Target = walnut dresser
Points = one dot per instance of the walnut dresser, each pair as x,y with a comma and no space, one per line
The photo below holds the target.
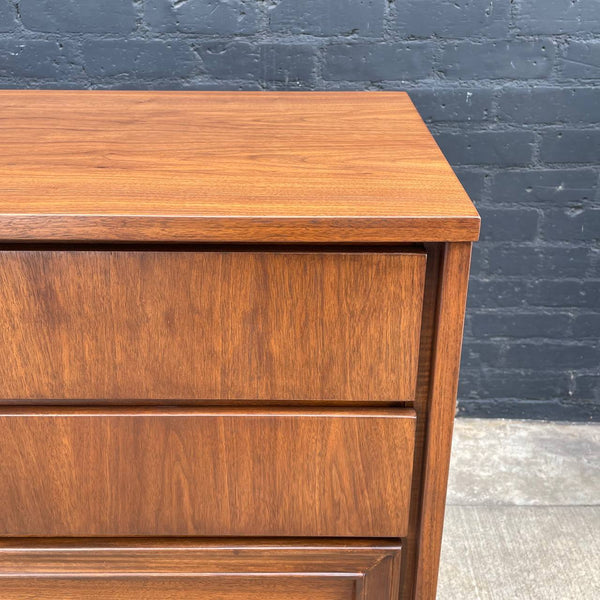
230,326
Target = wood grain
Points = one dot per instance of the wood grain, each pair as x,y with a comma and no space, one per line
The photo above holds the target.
453,282
410,543
77,472
183,587
206,570
224,166
139,326
187,325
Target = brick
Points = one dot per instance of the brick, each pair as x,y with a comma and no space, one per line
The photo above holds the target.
564,293
83,16
478,354
288,64
468,383
234,60
517,59
581,60
478,260
573,226
499,148
555,187
333,17
550,105
571,146
555,409
473,182
562,261
523,386
39,59
211,17
511,260
551,356
424,18
496,293
7,16
139,59
541,16
588,387
458,105
510,224
168,84
514,260
594,258
587,325
590,16
159,15
520,324
269,62
378,62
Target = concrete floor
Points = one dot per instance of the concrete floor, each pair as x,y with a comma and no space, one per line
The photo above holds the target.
523,514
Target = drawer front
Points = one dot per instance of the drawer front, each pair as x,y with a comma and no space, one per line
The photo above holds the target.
205,473
121,326
185,570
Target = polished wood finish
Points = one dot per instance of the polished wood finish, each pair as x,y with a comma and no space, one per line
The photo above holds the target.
452,297
203,570
421,406
141,326
224,166
226,314
184,587
205,472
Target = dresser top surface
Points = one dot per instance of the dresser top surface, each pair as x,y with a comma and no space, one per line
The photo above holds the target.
224,166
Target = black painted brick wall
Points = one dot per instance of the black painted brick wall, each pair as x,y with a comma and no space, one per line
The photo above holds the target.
511,90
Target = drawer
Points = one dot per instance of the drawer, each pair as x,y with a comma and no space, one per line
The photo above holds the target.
188,570
193,472
188,326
